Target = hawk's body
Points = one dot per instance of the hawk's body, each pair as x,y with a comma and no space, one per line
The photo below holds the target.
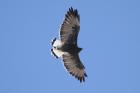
66,47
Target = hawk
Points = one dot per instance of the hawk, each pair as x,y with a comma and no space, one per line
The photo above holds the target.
66,46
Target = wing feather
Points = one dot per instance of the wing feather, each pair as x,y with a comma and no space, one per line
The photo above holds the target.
70,27
74,66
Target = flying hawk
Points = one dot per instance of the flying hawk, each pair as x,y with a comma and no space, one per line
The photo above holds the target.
66,47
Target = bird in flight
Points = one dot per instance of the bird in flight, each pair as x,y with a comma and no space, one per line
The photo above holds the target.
66,46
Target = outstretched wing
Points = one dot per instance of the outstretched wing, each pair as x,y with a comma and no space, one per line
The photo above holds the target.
70,27
74,66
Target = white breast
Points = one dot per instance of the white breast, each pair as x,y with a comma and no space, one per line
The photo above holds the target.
58,53
57,43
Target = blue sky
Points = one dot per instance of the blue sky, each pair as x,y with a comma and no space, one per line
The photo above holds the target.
109,36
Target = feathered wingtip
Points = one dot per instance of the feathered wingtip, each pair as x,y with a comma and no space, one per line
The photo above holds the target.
74,12
81,79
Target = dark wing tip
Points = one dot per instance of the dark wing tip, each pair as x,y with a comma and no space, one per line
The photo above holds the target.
85,74
81,79
73,12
